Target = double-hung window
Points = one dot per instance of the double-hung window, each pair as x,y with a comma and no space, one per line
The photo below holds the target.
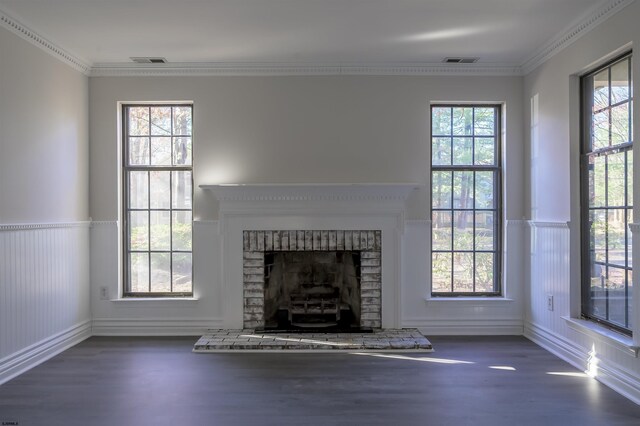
157,200
465,200
607,193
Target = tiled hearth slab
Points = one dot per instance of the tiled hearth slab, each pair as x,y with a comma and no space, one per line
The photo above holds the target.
391,340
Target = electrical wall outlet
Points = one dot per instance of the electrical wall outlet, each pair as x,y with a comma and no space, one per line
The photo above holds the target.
550,302
104,293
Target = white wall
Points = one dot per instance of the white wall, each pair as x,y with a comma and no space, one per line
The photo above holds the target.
553,150
44,229
43,143
304,129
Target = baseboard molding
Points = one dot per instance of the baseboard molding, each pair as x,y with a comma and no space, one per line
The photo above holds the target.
154,326
557,345
464,327
607,373
31,356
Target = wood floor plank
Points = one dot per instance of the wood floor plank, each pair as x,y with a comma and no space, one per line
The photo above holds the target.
159,381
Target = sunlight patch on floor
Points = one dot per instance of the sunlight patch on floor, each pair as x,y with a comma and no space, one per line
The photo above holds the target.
413,358
568,374
502,367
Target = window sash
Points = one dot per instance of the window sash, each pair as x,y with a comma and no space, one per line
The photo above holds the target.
594,298
169,250
495,209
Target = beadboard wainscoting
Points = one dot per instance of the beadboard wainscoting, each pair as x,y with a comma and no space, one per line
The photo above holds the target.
609,357
44,292
115,316
462,315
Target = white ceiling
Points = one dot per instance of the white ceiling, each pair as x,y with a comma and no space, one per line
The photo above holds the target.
301,31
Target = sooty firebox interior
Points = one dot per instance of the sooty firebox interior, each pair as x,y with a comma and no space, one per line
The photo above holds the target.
312,289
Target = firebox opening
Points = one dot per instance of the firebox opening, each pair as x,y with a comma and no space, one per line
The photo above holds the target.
312,289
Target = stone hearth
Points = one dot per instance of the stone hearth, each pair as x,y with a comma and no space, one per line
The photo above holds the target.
407,340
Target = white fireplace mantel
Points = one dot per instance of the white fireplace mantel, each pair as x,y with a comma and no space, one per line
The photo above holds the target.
313,192
318,207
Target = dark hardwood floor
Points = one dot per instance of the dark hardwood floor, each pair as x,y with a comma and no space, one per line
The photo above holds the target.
159,381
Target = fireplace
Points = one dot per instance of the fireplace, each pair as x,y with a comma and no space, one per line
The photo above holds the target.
256,219
312,279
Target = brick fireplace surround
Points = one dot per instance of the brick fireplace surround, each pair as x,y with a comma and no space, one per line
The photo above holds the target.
367,243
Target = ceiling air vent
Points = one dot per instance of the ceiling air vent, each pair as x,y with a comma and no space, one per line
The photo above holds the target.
148,60
460,60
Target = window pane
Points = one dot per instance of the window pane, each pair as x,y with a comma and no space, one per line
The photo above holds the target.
160,272
463,231
161,151
182,280
601,90
620,82
484,190
617,297
629,239
484,121
441,121
630,178
181,151
441,232
160,190
138,121
462,121
181,190
600,130
597,181
616,179
484,272
138,190
598,235
630,292
616,231
161,121
463,190
620,124
441,190
462,151
160,232
484,151
441,151
441,275
598,292
139,272
182,121
139,230
463,272
181,230
138,151
484,230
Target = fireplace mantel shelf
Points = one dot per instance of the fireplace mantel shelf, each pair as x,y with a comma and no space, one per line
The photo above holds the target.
313,191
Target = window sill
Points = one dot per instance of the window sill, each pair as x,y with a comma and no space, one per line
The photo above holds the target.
605,335
154,299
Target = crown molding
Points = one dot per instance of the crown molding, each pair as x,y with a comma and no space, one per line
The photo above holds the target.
288,69
566,38
558,43
43,43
